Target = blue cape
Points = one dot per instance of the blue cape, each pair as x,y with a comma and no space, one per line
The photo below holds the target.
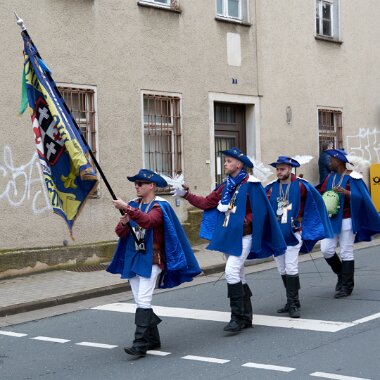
181,264
267,239
315,221
364,216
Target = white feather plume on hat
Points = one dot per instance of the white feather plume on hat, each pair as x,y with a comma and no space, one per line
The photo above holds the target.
357,164
261,171
175,182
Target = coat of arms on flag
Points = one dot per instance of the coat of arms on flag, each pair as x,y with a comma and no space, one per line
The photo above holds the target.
64,157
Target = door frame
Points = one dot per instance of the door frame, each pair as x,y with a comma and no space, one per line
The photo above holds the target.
252,124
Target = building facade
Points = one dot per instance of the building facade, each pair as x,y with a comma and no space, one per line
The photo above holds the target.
167,85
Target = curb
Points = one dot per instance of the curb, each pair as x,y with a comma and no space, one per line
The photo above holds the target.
119,288
83,295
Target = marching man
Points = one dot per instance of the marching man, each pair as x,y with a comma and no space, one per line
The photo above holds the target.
353,217
163,252
303,220
241,224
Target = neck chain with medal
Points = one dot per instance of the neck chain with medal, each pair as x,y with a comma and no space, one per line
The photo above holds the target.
140,232
231,207
333,185
282,200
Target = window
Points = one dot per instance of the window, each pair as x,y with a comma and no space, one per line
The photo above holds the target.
163,4
81,103
232,9
162,134
327,18
330,127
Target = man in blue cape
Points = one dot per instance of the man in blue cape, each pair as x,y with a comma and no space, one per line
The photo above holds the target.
163,252
303,220
241,224
353,218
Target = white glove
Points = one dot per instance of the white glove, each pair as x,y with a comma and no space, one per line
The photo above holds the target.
179,192
222,208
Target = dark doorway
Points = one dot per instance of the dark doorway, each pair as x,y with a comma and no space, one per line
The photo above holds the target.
229,125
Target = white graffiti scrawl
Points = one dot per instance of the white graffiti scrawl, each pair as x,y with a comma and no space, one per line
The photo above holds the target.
365,144
23,184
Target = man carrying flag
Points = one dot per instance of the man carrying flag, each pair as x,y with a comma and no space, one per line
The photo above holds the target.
68,174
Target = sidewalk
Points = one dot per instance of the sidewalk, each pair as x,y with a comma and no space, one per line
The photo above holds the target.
37,291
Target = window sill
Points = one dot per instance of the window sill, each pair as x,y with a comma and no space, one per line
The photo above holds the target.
233,21
328,39
167,8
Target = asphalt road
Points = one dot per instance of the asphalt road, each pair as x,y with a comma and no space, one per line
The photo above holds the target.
335,338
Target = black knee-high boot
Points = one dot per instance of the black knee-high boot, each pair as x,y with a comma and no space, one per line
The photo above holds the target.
146,324
285,308
236,296
336,266
348,269
154,340
248,313
292,288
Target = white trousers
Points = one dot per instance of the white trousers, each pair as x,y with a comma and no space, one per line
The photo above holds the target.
288,262
234,271
143,288
346,240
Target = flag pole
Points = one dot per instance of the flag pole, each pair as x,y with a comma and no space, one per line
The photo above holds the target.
139,242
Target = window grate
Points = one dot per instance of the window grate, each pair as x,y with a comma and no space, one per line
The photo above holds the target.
162,134
330,127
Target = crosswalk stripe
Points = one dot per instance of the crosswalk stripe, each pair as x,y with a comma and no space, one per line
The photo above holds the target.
221,316
11,333
158,353
269,367
98,345
205,359
48,339
335,376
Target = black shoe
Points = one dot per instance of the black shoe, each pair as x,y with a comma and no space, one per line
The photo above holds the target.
342,293
134,352
294,312
233,326
154,346
284,309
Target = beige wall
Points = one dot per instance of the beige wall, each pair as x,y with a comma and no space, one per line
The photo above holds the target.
122,49
299,71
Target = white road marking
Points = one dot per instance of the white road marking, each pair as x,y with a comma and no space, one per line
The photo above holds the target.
48,339
334,376
158,353
367,319
11,333
269,367
221,316
205,359
98,345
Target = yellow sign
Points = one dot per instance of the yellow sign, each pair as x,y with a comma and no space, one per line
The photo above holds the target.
374,174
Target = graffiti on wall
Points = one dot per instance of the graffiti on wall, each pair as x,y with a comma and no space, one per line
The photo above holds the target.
365,144
23,185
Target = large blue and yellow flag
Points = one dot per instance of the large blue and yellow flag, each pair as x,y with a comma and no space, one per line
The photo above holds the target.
64,158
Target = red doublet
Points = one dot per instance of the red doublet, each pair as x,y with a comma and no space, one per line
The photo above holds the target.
212,201
152,219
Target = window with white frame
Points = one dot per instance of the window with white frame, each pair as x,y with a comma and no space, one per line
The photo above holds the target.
232,9
327,18
166,3
162,134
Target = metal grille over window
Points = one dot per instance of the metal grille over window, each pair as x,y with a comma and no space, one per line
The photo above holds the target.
330,127
81,104
162,134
